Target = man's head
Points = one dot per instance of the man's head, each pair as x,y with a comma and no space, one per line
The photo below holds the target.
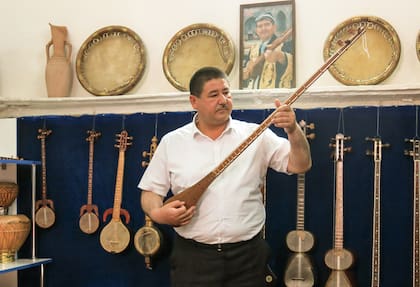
202,76
265,26
210,96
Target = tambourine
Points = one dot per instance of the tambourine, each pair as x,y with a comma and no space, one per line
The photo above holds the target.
111,61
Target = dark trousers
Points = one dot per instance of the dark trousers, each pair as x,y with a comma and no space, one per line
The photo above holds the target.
240,264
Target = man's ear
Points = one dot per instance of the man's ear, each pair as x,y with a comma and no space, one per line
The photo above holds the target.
193,101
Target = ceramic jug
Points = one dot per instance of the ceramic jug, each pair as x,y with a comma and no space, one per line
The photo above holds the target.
58,72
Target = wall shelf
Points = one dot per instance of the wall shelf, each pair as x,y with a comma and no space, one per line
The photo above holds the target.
24,263
314,97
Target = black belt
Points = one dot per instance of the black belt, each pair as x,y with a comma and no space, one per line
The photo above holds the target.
218,246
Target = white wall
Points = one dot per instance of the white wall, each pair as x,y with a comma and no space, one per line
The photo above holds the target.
25,33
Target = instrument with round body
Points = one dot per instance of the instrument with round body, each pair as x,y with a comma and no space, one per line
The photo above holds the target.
147,241
14,229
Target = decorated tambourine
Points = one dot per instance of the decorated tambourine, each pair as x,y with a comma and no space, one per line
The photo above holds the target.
371,59
194,47
111,61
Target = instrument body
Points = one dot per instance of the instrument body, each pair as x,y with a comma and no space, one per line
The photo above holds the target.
192,194
376,152
300,271
44,215
115,236
339,259
89,214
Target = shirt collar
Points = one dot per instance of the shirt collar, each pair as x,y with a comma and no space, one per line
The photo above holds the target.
196,131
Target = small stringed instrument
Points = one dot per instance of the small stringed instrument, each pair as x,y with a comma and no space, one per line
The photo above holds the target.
192,194
339,259
89,214
148,238
299,271
115,236
44,215
376,152
415,153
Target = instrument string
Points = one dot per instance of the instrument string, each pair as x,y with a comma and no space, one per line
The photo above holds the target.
156,124
93,122
377,122
123,122
417,121
341,122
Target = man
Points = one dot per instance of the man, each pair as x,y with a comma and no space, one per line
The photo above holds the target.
218,242
268,67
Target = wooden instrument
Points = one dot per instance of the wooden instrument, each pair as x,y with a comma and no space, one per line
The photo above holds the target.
376,152
44,215
255,67
299,271
89,214
115,236
192,194
14,229
148,238
339,259
415,153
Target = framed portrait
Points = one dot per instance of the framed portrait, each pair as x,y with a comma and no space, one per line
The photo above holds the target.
267,45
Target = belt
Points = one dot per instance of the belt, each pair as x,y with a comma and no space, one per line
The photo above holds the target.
218,246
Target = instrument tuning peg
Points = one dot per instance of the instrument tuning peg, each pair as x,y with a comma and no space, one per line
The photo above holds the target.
347,138
348,149
310,136
369,152
311,126
385,145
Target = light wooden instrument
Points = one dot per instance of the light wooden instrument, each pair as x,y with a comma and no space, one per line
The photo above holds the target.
148,239
376,152
339,259
89,214
299,270
415,153
115,236
192,194
44,215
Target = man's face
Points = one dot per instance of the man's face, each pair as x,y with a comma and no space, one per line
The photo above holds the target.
265,29
214,105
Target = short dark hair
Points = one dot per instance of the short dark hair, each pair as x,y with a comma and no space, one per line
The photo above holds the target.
202,76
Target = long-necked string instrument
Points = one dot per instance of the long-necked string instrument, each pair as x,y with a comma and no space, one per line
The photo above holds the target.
299,270
376,152
115,236
148,239
89,214
339,259
44,215
415,153
192,194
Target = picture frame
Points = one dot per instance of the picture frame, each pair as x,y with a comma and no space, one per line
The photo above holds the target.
270,64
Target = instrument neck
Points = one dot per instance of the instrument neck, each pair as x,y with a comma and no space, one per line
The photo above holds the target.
339,232
300,216
118,187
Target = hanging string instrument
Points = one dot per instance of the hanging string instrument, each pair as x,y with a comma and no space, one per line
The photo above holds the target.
339,259
415,153
115,236
148,239
376,152
299,271
44,215
192,194
89,215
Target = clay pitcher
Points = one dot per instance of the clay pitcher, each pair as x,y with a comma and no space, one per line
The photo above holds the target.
58,73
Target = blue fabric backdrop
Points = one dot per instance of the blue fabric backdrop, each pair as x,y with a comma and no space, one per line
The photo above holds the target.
79,260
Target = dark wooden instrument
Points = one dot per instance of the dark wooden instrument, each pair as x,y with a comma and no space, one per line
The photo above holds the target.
376,152
148,239
115,236
89,214
339,259
415,153
44,215
299,270
192,194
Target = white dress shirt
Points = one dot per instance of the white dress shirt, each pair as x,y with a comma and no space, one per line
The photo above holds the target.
231,209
